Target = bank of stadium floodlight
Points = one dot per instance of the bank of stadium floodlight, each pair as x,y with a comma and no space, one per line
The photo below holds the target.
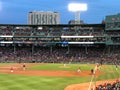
77,8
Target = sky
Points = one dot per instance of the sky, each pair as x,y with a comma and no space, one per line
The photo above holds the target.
16,11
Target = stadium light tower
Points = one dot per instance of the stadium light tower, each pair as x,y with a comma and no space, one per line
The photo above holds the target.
77,8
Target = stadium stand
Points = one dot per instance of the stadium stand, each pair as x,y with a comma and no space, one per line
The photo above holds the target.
58,43
109,86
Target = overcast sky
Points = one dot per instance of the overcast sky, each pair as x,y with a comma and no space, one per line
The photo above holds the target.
16,11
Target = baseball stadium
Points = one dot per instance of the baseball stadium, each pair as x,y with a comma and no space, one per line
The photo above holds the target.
60,57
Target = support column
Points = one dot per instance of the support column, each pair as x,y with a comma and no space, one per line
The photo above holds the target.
32,52
14,49
86,49
51,49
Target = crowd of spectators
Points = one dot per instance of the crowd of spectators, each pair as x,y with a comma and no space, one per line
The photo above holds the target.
60,31
115,40
109,86
5,30
57,54
52,31
113,33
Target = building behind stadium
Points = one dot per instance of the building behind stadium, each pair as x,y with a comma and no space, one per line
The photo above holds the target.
43,18
113,22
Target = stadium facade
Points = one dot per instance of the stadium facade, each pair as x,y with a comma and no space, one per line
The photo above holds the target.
59,43
43,18
113,22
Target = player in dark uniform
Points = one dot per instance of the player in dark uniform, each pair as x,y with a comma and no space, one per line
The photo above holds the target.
92,71
24,66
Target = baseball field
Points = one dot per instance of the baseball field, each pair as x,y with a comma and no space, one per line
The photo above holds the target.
43,76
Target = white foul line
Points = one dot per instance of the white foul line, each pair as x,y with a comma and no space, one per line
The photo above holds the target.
92,77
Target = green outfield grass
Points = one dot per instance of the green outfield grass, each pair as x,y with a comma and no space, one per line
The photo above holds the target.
21,82
69,67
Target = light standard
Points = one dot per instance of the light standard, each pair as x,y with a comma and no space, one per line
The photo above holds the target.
77,8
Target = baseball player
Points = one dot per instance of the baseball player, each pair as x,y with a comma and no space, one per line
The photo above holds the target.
78,70
24,66
11,69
